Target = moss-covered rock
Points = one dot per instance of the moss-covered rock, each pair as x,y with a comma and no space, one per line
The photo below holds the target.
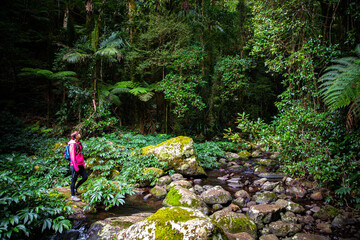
244,154
233,222
164,180
175,223
158,192
265,197
179,153
157,171
181,183
179,196
327,212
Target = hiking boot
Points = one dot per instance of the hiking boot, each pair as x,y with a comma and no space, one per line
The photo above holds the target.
75,199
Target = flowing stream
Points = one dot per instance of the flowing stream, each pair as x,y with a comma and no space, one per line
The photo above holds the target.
243,170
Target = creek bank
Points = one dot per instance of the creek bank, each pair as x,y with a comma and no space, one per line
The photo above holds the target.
244,202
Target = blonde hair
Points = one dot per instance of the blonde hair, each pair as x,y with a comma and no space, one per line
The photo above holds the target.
74,134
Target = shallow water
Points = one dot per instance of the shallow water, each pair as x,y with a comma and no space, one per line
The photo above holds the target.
137,203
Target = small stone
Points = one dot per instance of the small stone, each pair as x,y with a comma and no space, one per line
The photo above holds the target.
327,213
324,227
177,177
279,189
198,189
269,237
239,236
297,191
288,217
265,197
247,183
147,196
242,194
239,201
207,187
181,183
282,229
316,196
197,181
251,203
315,209
217,207
222,178
260,182
268,186
308,236
164,180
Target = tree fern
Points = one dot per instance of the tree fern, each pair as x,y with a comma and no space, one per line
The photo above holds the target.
341,85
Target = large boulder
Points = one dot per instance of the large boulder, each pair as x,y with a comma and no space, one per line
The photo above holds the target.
177,222
179,153
179,196
109,228
234,222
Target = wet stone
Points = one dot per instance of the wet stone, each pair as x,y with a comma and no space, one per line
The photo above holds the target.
271,176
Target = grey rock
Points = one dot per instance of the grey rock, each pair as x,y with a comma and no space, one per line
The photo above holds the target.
308,236
239,201
177,177
181,183
268,186
243,194
297,191
288,217
264,213
282,229
265,197
269,237
193,224
278,176
164,180
216,195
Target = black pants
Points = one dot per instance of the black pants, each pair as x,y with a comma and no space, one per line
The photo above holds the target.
74,177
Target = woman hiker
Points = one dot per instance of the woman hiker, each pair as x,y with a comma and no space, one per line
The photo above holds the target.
77,165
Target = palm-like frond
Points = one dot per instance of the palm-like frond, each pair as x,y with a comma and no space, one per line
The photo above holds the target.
341,85
44,73
75,56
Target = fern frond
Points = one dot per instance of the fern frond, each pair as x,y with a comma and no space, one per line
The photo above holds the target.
114,40
145,96
115,99
64,74
110,52
120,90
74,57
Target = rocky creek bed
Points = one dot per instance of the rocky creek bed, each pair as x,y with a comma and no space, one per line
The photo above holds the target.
243,199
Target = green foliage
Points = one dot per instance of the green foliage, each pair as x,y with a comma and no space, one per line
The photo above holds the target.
183,84
341,85
105,192
248,130
232,74
27,204
208,153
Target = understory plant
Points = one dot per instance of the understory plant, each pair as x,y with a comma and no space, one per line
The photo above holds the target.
28,206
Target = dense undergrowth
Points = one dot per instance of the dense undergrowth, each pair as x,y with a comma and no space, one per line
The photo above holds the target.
33,165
